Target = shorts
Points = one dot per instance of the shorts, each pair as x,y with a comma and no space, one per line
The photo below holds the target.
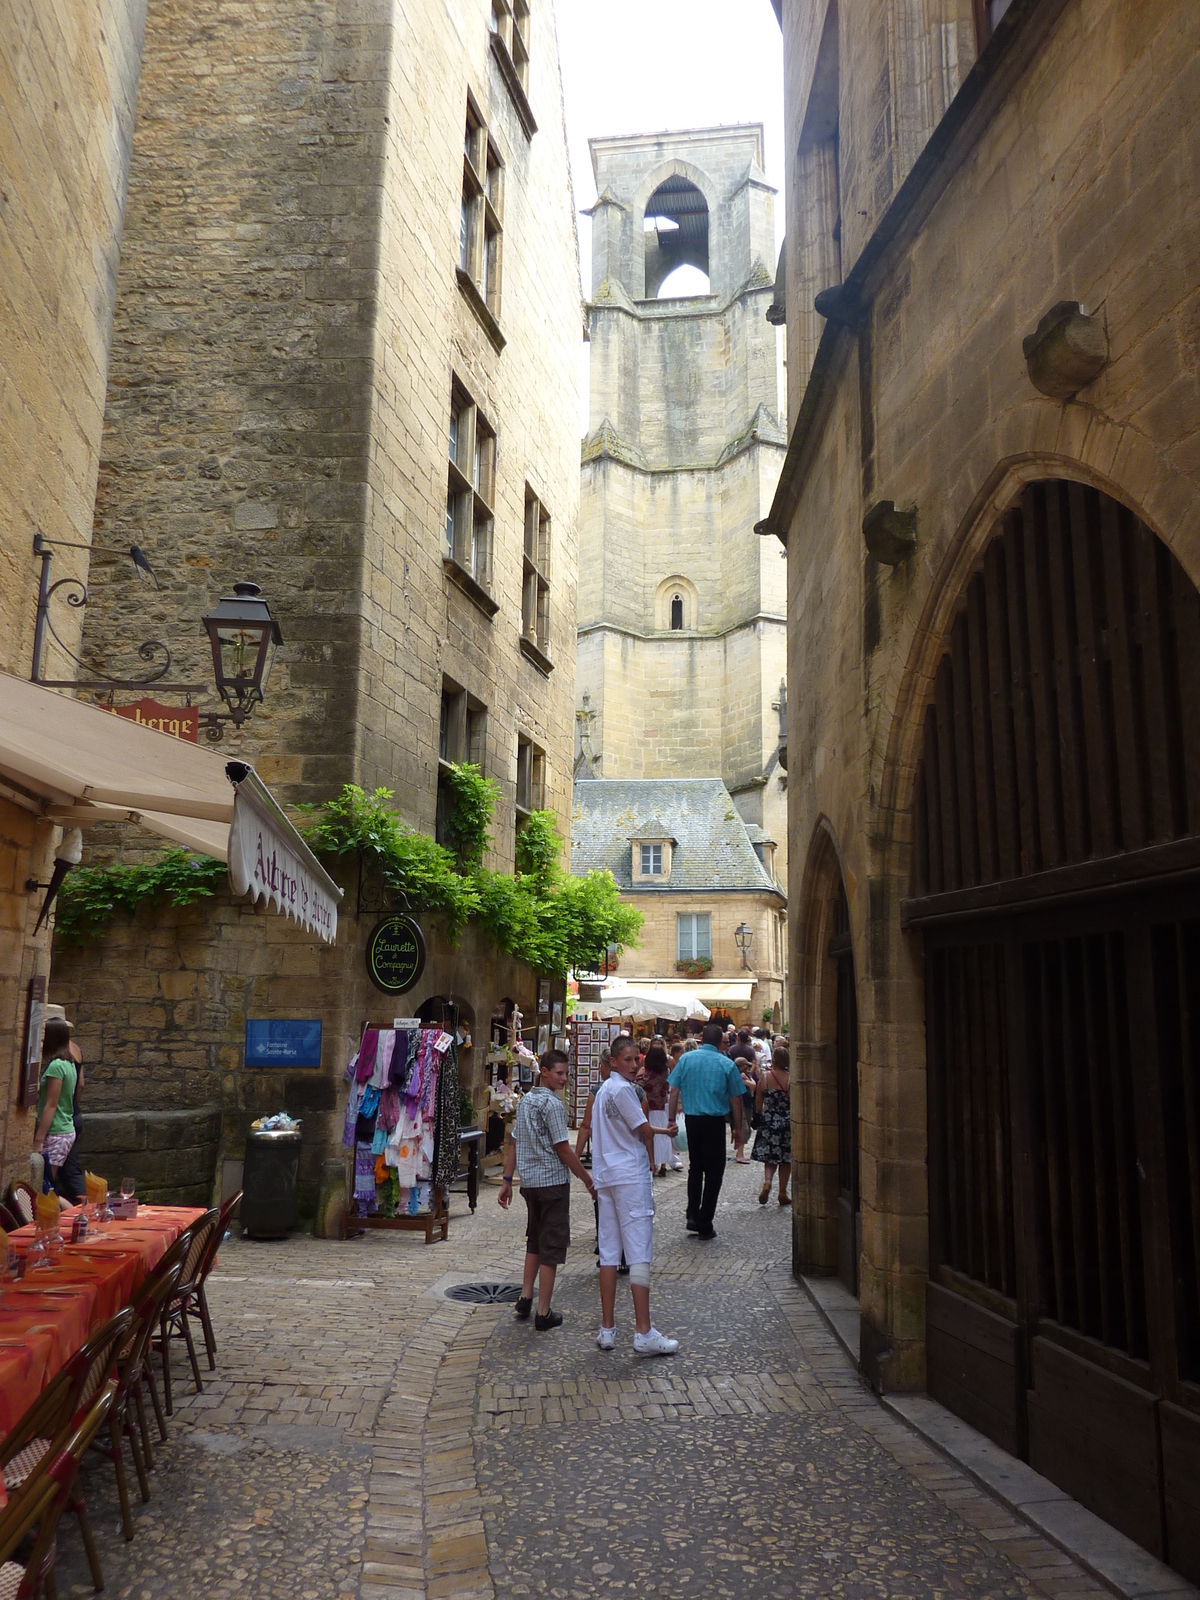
56,1147
625,1221
549,1231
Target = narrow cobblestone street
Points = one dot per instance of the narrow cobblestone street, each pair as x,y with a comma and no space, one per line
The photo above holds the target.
364,1436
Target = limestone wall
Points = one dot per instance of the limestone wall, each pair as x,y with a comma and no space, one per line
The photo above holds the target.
287,326
1079,183
68,85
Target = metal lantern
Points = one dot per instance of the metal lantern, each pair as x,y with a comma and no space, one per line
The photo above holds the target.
743,937
243,635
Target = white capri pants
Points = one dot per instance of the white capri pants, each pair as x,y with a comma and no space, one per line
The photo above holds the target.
625,1221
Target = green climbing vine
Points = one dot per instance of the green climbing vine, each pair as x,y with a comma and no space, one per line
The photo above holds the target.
540,915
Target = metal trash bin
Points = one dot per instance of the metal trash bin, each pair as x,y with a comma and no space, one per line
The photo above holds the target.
270,1204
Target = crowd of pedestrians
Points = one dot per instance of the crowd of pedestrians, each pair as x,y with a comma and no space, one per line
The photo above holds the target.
654,1096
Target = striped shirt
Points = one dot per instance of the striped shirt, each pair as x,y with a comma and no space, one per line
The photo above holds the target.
541,1124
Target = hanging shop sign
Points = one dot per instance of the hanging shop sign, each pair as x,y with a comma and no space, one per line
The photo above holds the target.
269,861
395,954
179,722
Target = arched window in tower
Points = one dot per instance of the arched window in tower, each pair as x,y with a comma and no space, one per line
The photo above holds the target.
676,225
676,612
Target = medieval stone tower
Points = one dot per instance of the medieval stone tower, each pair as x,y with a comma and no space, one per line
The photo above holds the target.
682,621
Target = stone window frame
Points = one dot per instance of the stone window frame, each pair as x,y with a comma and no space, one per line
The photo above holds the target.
462,737
479,269
509,25
531,779
651,878
676,587
693,919
469,534
535,583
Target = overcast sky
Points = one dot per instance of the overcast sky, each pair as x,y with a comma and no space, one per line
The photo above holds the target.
641,66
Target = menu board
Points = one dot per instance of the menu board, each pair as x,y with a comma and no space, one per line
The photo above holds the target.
587,1040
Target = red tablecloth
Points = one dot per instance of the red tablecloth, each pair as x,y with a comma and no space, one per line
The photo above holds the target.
47,1315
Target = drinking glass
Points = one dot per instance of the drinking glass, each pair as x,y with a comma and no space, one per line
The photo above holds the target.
128,1185
35,1256
104,1213
54,1247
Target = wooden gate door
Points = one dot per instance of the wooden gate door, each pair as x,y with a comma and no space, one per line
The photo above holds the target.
846,1047
1057,884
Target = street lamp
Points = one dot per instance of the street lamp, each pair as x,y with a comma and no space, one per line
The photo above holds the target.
743,937
243,635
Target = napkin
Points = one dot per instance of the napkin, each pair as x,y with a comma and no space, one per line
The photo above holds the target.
47,1211
97,1188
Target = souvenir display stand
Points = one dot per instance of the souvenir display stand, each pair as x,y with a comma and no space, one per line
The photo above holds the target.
587,1041
402,1122
508,1047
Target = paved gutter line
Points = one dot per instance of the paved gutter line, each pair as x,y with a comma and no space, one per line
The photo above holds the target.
1117,1562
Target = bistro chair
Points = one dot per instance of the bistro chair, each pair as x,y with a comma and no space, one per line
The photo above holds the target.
175,1323
22,1200
199,1298
9,1220
40,1503
127,1420
59,1407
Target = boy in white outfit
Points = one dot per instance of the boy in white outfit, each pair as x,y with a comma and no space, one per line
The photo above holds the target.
623,1172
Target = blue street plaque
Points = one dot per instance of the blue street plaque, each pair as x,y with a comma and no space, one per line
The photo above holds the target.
283,1042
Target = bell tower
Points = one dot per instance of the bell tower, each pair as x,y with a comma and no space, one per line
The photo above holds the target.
682,612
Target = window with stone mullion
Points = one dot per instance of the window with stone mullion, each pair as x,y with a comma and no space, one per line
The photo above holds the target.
470,489
535,584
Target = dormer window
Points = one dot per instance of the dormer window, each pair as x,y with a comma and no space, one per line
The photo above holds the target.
650,855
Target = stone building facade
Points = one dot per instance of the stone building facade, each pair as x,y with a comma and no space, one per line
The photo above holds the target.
682,647
991,508
344,367
682,855
70,79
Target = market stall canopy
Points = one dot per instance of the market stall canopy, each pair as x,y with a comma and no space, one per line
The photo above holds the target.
641,1006
76,764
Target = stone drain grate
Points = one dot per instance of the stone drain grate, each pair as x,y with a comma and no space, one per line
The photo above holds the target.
484,1294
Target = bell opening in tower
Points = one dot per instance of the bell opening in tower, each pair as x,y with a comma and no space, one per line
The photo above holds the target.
676,229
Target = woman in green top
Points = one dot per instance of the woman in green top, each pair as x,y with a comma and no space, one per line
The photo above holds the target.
54,1133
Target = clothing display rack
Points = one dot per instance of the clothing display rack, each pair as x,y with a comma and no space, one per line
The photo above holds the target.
402,1122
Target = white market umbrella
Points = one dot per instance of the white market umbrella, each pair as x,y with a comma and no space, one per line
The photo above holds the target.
642,1006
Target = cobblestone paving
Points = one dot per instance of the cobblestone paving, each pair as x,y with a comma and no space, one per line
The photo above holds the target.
363,1438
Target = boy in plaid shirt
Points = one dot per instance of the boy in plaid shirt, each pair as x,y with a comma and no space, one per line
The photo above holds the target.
542,1155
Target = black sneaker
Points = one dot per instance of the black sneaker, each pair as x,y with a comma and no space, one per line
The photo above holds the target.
552,1319
706,1233
692,1225
523,1308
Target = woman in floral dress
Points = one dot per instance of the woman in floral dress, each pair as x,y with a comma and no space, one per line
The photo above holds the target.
773,1140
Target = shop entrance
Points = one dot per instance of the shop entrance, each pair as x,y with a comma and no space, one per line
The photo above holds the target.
1057,886
849,1219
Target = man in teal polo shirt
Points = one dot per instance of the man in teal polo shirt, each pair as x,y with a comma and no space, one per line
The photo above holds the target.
710,1087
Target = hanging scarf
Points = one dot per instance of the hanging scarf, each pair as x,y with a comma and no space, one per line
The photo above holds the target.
366,1055
389,1109
445,1161
352,1107
364,1174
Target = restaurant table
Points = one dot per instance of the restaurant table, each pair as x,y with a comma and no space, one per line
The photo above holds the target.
48,1314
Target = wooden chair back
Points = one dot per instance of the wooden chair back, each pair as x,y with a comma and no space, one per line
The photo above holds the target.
46,1493
69,1394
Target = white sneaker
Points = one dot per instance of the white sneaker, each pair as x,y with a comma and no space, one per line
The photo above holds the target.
607,1338
654,1344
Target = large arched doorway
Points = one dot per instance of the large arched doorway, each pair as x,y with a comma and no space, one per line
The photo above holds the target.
1057,890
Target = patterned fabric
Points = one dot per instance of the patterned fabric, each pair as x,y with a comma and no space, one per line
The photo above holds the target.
773,1141
541,1124
385,1045
657,1089
352,1105
11,1574
389,1108
445,1161
56,1147
364,1173
23,1463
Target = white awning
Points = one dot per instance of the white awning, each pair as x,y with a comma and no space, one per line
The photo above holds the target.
709,992
77,765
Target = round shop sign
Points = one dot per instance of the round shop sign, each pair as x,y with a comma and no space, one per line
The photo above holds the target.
395,954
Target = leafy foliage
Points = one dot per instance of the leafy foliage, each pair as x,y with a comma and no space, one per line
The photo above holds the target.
541,916
357,823
467,819
91,897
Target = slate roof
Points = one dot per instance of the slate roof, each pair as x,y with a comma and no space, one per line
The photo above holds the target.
712,847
